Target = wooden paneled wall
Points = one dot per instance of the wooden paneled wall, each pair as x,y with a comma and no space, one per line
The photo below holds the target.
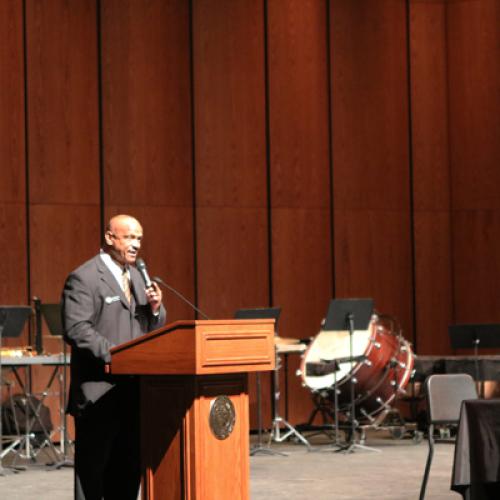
431,176
13,201
299,161
371,157
146,142
277,152
455,97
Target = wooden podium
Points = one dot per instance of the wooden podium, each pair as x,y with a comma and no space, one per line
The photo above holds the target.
194,405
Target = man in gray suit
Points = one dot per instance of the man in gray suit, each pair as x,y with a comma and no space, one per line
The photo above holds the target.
105,303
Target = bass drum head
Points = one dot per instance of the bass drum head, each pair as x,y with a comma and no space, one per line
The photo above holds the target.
380,373
328,345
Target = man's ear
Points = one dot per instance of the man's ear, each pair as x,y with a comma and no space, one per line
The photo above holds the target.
108,237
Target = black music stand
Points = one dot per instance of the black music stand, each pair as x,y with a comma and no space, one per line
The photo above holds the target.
53,318
260,313
475,336
337,317
12,321
351,315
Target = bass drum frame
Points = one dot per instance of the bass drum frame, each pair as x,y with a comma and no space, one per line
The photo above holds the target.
381,368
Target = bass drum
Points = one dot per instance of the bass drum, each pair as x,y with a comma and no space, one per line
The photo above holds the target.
382,366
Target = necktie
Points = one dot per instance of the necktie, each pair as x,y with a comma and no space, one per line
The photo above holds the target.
126,284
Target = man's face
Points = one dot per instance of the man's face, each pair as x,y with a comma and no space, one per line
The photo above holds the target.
124,239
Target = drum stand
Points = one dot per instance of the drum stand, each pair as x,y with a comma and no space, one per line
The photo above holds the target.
260,313
3,471
278,421
19,316
259,447
66,461
354,424
52,315
336,446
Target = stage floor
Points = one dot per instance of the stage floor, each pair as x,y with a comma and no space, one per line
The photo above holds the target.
393,473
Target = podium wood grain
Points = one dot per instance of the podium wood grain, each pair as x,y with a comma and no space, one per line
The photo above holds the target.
185,366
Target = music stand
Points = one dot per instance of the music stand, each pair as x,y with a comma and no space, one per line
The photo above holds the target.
53,318
475,336
12,321
339,310
260,313
350,315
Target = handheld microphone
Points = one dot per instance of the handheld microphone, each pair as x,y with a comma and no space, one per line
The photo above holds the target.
141,267
174,291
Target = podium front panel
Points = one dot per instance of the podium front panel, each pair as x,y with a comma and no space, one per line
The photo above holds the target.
227,348
182,456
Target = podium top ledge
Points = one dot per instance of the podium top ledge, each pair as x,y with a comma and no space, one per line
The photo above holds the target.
187,325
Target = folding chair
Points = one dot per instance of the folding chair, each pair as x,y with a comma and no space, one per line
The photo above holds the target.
445,393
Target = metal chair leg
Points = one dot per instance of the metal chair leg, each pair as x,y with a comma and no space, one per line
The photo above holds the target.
428,463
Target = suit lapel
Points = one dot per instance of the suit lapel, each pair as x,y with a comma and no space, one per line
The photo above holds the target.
110,280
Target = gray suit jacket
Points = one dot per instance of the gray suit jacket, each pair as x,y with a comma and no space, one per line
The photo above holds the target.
96,317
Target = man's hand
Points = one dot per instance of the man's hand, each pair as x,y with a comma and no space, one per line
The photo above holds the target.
154,296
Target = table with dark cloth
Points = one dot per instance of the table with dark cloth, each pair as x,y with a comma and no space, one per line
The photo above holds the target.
488,366
476,467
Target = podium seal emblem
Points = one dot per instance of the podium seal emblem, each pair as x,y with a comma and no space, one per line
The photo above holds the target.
222,417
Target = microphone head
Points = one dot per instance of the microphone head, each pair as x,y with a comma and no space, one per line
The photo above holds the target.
141,267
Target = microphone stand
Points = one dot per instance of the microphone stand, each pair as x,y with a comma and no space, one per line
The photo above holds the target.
352,445
178,294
